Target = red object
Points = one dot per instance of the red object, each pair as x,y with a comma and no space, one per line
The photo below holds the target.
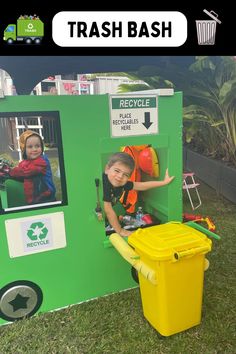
32,173
191,217
198,218
69,86
210,224
147,219
148,161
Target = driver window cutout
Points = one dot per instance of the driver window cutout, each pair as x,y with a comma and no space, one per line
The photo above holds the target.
119,177
31,161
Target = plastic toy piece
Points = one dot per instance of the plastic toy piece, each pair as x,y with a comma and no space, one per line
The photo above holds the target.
148,161
210,224
198,218
133,258
202,229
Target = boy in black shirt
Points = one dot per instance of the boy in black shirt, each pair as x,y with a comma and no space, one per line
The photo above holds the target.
116,180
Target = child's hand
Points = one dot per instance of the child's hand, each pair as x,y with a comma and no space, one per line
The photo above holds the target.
4,171
125,233
167,178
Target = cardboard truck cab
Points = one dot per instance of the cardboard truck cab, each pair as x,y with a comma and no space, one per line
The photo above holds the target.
58,254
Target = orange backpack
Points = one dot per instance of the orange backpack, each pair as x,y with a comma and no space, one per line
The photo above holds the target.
146,160
130,198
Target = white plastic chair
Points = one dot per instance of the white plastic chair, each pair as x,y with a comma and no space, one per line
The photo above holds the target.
188,184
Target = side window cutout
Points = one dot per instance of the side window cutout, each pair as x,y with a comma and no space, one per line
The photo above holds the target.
130,206
31,161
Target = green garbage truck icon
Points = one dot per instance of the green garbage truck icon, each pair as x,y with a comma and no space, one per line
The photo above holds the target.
27,30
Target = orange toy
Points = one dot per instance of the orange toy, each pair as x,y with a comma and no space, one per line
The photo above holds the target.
198,218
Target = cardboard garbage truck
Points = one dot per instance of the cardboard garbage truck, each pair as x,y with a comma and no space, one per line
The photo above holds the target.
62,252
58,254
26,31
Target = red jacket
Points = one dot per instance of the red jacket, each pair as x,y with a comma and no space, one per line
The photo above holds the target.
35,174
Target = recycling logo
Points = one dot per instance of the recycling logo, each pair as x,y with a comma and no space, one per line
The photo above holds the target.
37,234
37,231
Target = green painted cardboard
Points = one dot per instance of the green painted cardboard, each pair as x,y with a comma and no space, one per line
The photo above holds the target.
85,268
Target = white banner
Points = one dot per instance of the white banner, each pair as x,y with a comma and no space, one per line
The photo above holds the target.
119,29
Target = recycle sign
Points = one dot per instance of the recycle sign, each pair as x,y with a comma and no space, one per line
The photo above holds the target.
37,230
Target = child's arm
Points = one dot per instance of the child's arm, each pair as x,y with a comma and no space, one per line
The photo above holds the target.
28,168
113,220
144,186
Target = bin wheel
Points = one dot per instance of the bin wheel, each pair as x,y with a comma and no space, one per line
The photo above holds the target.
20,299
134,274
28,40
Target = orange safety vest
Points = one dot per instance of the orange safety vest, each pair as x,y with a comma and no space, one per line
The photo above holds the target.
130,198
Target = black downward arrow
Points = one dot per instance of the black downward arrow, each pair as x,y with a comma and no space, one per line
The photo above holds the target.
147,122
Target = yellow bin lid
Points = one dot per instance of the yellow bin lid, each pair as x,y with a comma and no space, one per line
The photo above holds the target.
170,241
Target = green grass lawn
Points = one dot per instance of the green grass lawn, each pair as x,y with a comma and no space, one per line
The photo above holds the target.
115,324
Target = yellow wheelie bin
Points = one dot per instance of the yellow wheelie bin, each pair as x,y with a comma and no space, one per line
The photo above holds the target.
176,252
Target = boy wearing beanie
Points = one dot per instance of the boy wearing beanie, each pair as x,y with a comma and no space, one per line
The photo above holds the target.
34,170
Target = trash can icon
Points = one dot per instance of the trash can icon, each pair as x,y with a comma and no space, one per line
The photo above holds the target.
206,29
